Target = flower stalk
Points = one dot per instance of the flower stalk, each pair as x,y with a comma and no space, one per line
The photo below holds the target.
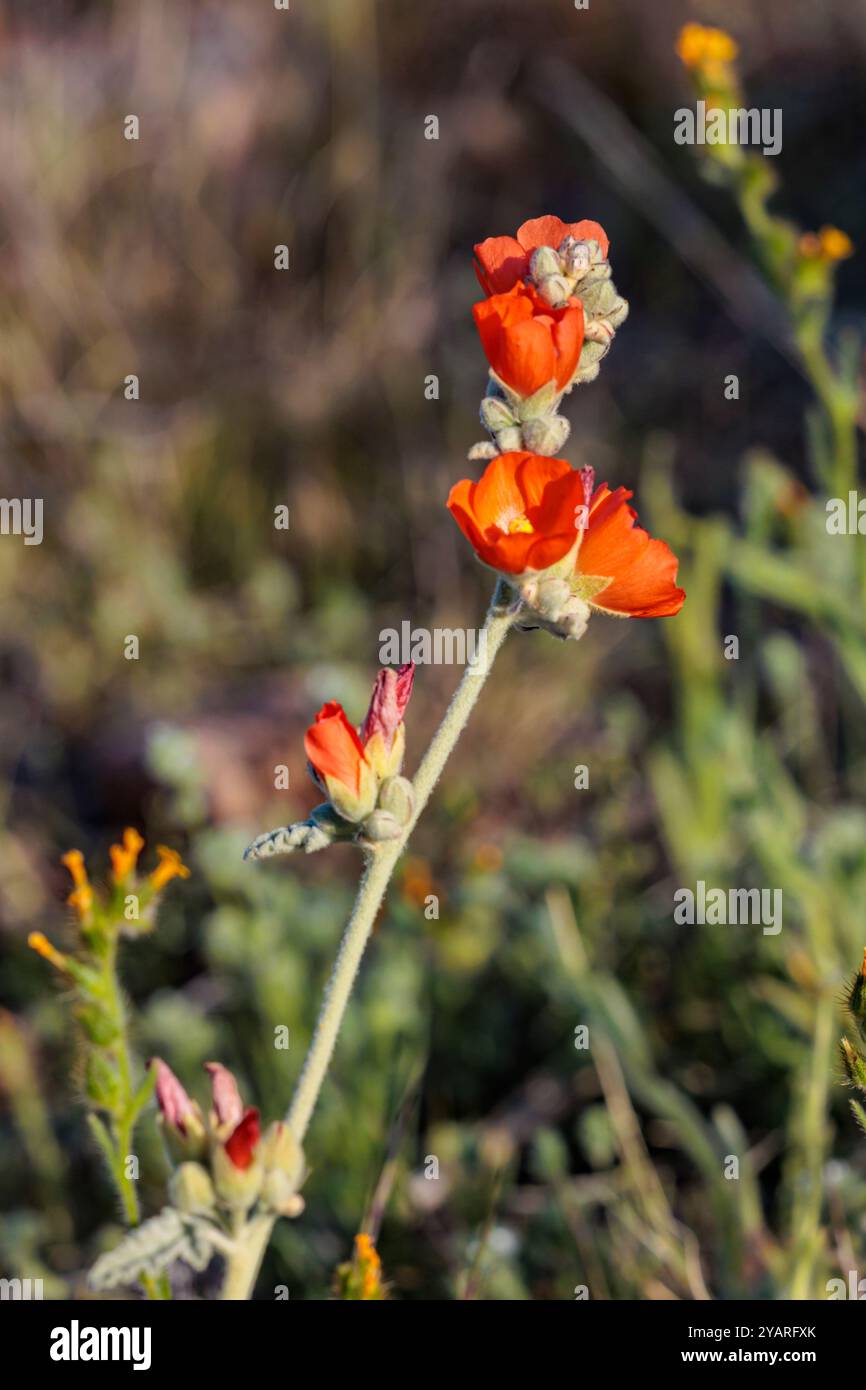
381,860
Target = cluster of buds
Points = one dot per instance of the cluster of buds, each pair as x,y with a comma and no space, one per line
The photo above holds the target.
853,1059
124,907
225,1165
358,769
549,318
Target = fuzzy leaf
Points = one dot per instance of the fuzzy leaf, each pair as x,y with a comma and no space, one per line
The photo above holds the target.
151,1248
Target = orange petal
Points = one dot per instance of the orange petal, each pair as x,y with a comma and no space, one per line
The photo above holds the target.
334,748
588,230
546,491
542,231
642,570
500,263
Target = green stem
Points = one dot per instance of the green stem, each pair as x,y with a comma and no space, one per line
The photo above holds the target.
124,1117
243,1265
380,866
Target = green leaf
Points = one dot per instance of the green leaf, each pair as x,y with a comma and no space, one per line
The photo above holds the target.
104,1140
151,1248
144,1092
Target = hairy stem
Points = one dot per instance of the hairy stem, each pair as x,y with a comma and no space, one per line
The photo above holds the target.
380,866
242,1265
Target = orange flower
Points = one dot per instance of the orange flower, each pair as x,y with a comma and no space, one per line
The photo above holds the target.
38,942
124,857
170,866
528,514
528,343
638,573
369,1267
503,261
339,764
334,748
521,514
82,898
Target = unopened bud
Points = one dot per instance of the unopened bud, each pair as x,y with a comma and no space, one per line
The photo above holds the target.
496,414
281,1152
555,290
397,797
379,826
854,1065
509,439
543,263
546,435
191,1189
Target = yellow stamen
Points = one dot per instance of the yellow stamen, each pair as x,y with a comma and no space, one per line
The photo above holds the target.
520,525
170,866
39,943
125,857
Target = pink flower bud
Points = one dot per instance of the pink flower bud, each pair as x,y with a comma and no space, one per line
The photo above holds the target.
227,1102
177,1109
388,703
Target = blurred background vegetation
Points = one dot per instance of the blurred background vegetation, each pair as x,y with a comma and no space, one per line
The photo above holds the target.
558,1167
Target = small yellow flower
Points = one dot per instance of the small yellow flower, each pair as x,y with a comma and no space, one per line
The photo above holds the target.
369,1267
701,47
82,898
39,943
830,244
124,857
170,866
835,245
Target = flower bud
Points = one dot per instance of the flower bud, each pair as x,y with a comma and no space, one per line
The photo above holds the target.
509,439
496,414
543,263
228,1108
555,290
855,1066
397,797
578,256
181,1119
191,1189
281,1152
553,605
237,1169
546,435
380,826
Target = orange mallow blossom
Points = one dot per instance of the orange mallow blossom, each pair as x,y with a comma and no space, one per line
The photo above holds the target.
503,261
527,342
568,548
350,764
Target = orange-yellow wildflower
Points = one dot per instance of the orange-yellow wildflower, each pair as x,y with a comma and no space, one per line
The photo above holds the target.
704,48
124,857
82,896
170,866
369,1267
39,943
830,244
